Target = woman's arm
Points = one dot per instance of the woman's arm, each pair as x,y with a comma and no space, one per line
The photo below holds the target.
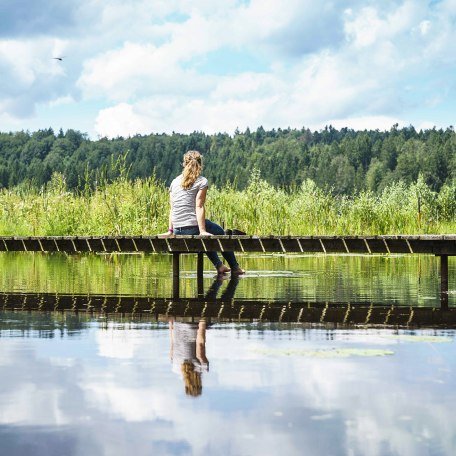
201,211
201,343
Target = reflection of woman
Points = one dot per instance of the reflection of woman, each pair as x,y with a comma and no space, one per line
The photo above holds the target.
227,294
187,214
188,353
188,341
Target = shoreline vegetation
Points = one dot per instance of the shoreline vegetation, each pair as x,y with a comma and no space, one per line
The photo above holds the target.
282,182
140,207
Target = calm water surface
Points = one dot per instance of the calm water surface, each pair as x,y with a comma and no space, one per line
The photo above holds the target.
405,280
78,384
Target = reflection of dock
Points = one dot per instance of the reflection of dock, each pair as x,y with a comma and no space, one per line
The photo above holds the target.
245,310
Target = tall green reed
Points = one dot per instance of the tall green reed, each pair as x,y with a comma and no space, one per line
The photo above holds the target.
121,206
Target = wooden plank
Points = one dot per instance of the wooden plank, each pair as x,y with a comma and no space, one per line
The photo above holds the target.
194,244
311,244
96,245
177,244
211,244
271,244
333,245
48,244
32,244
81,244
160,245
14,244
250,244
376,245
3,245
126,244
355,245
422,245
229,245
397,245
143,244
65,244
357,315
110,244
445,247
291,244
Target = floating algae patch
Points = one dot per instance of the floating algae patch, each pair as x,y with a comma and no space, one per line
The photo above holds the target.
327,353
412,338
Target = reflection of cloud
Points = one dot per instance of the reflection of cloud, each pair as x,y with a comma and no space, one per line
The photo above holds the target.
29,405
250,404
131,404
115,344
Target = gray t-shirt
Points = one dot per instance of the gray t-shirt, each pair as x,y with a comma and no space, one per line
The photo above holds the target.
184,346
184,201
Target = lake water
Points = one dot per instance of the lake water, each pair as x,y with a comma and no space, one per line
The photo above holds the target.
89,383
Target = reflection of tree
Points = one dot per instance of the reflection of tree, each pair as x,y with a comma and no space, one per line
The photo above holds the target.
43,325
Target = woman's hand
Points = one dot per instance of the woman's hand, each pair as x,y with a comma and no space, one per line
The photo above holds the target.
205,233
166,235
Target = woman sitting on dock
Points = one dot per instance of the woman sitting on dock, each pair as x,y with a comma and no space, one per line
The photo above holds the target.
187,215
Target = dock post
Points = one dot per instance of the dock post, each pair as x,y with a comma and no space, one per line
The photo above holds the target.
444,282
199,274
176,274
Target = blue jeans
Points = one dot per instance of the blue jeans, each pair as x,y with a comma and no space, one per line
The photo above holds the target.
212,228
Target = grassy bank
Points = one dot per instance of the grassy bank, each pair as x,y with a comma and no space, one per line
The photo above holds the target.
141,207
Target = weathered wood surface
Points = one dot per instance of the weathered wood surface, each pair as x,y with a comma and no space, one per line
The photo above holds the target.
353,313
424,244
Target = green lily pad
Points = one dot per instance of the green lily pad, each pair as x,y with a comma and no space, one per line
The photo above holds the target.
327,353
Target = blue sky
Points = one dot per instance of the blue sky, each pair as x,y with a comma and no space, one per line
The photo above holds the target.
147,66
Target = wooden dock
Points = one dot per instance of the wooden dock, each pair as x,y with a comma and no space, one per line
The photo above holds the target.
442,246
424,244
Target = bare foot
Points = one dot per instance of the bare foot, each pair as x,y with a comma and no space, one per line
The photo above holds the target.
237,271
223,269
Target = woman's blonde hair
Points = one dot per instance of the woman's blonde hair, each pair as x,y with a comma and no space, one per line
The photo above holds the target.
192,379
193,164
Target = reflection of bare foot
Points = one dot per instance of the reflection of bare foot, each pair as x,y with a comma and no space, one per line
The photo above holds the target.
237,271
221,277
223,269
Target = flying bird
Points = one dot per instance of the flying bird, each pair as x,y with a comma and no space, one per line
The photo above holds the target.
58,58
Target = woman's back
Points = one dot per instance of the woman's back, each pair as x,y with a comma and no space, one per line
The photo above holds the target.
183,201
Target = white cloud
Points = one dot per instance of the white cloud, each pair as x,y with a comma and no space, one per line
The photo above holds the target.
136,71
342,60
365,123
29,74
59,101
424,27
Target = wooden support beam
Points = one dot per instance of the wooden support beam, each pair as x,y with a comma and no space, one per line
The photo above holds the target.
176,274
444,281
199,274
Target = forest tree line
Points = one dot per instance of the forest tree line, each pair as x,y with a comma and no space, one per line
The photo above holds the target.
343,161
